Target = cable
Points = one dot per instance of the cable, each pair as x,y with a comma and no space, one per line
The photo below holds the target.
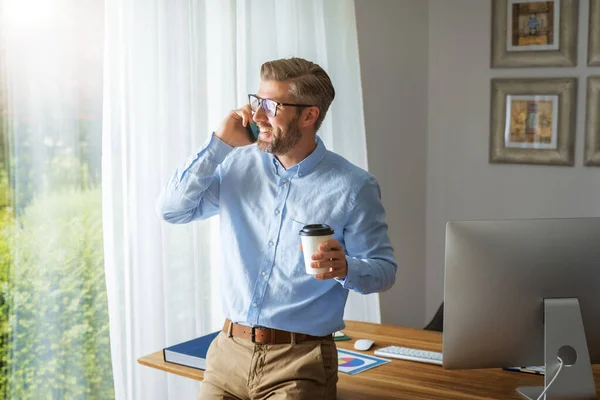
553,379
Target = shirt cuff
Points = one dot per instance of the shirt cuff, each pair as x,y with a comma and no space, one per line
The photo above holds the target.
351,279
216,149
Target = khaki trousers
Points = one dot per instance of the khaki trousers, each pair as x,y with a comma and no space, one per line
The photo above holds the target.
240,369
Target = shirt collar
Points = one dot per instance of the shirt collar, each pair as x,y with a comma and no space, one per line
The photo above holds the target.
306,165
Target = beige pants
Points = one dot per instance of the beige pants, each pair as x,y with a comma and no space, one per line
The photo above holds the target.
239,369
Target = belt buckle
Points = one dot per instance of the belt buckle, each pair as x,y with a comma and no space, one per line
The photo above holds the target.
253,333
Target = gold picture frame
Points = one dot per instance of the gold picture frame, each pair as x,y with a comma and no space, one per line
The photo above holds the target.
533,33
533,121
593,56
592,131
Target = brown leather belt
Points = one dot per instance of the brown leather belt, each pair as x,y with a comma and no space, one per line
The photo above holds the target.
262,335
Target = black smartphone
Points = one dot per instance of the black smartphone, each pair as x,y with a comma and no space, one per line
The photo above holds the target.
252,130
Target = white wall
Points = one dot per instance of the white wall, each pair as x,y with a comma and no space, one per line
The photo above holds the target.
446,93
392,39
461,184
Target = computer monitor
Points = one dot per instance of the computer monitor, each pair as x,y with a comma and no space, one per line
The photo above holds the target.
522,292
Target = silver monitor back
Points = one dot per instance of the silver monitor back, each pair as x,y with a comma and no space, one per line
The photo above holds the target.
498,274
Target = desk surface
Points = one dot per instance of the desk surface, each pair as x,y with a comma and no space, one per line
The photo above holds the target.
401,379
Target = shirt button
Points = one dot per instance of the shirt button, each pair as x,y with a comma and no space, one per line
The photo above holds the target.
285,181
264,273
277,212
271,243
300,174
255,305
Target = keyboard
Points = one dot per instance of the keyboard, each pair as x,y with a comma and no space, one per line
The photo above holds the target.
405,353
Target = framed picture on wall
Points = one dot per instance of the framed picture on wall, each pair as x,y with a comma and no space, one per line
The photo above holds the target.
533,121
592,131
533,33
594,33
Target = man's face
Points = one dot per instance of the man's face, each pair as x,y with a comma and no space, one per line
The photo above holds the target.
279,134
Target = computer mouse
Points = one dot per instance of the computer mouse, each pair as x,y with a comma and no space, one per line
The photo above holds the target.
363,344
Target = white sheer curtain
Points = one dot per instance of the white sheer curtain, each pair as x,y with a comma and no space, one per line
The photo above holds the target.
173,70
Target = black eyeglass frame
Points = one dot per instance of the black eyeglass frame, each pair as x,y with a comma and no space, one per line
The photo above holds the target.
277,104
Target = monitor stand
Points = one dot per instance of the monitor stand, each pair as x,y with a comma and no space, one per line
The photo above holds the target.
564,337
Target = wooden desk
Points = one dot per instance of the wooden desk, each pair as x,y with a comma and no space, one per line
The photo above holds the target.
405,379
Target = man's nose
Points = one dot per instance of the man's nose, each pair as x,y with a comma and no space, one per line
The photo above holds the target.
259,115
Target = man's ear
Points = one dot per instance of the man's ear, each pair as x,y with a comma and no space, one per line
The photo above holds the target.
309,116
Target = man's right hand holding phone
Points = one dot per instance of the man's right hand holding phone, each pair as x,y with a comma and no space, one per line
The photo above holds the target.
233,129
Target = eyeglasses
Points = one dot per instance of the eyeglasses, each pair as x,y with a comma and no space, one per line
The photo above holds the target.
269,106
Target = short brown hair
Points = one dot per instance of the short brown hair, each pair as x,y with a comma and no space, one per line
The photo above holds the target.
309,83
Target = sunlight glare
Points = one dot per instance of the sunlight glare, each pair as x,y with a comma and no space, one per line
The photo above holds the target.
29,14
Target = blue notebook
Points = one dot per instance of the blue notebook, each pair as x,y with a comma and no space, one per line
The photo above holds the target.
191,353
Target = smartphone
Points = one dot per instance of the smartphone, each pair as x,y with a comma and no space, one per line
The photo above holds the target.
252,130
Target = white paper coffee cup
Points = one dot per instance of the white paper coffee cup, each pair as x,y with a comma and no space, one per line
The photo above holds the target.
312,236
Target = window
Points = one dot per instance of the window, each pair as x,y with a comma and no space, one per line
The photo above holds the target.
54,336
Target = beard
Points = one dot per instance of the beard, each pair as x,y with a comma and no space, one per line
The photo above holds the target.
282,141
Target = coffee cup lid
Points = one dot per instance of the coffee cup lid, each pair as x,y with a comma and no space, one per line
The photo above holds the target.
316,230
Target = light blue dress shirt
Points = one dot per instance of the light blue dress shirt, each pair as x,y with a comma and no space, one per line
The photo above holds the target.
262,207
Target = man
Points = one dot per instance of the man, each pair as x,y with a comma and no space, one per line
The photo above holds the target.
277,340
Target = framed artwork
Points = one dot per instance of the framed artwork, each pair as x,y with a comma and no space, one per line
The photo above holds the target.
533,33
594,33
533,121
592,131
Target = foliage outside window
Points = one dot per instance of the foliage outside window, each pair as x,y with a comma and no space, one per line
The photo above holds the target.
54,336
